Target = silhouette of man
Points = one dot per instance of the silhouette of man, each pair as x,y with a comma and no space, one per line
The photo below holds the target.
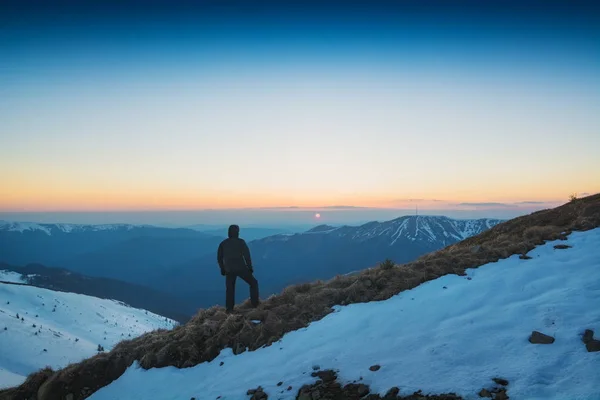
234,260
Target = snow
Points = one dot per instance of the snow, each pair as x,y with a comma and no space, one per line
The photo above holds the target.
110,227
10,276
9,379
66,228
427,229
91,320
23,226
399,231
430,338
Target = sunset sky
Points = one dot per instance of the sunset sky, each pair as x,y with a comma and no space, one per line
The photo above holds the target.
210,105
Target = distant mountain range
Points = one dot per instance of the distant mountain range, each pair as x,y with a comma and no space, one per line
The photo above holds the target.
182,262
250,233
132,253
323,252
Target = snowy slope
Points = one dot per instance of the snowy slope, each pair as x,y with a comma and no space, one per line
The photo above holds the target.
68,326
453,334
9,379
10,276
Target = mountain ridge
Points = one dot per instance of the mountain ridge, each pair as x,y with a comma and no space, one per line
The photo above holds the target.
458,229
48,228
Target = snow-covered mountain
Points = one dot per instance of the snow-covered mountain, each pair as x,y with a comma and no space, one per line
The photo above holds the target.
131,253
49,229
438,229
454,334
41,327
344,249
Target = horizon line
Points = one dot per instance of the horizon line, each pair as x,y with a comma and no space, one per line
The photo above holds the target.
463,206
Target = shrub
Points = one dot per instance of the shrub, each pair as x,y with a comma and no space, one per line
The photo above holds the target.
573,197
387,264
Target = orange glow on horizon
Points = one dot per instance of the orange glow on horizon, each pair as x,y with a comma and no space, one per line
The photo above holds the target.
58,187
86,200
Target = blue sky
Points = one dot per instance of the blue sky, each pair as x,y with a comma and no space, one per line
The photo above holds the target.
204,105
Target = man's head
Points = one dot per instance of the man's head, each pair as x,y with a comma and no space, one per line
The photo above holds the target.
234,231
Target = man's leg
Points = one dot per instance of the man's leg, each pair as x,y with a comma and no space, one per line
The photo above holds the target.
251,280
230,291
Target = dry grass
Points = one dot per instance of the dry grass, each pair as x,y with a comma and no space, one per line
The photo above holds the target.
211,330
29,388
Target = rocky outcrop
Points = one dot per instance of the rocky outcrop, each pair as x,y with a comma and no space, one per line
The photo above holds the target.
328,388
592,345
257,394
497,392
540,338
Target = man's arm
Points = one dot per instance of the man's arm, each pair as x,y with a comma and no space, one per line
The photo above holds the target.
246,253
220,258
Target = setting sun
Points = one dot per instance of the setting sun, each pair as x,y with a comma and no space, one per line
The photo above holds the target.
317,215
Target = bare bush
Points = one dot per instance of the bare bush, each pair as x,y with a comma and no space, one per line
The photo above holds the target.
387,264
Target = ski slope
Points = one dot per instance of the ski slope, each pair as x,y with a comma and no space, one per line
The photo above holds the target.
57,328
453,334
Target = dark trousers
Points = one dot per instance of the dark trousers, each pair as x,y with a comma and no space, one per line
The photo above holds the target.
230,283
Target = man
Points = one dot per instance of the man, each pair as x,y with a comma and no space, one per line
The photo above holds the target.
234,260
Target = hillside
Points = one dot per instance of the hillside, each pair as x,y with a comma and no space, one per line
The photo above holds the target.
450,335
211,331
41,327
324,252
68,281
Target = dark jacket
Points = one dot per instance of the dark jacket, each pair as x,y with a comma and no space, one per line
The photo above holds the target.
233,254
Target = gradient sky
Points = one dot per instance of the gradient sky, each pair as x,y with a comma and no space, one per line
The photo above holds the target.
228,104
